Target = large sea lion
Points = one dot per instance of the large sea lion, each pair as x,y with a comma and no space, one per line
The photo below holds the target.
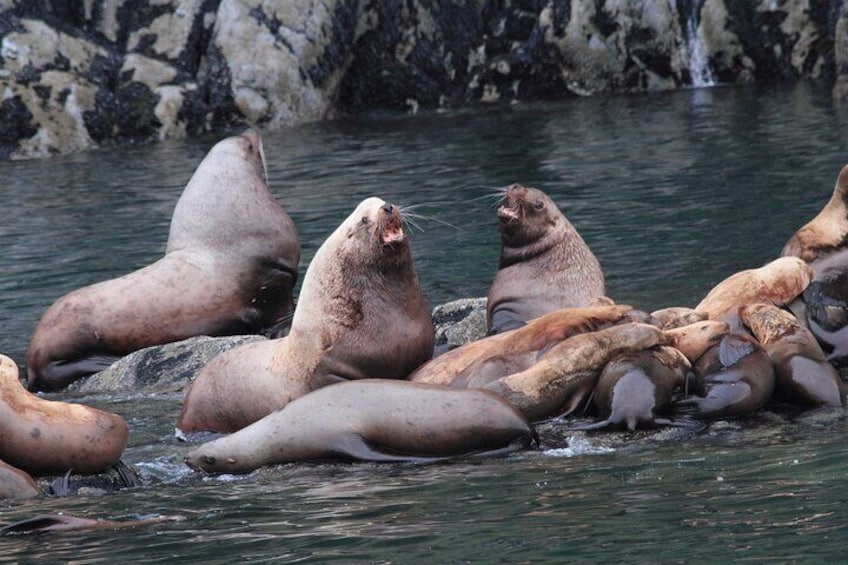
544,265
44,437
371,420
828,231
693,340
637,387
563,378
360,313
778,282
733,379
229,268
16,484
803,374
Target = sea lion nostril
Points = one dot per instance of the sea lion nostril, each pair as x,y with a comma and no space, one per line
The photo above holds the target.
388,207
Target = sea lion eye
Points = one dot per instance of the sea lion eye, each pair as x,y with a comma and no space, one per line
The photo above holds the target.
364,219
538,205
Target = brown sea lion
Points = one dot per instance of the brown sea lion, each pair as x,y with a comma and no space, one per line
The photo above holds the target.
229,268
360,313
828,231
66,523
803,374
371,420
637,387
778,283
693,340
515,350
562,380
733,379
45,437
677,317
16,484
544,266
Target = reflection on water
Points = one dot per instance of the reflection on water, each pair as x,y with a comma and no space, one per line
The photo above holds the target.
672,191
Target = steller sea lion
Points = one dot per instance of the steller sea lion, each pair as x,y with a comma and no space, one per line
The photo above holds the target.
828,231
733,379
677,317
515,350
16,484
371,420
563,378
360,314
229,268
636,387
693,340
44,437
802,373
778,283
544,265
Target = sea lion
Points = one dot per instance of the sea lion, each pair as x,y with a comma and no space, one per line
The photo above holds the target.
637,387
733,379
229,268
44,437
802,373
778,283
693,340
828,231
360,314
677,317
371,420
16,484
562,380
515,350
544,265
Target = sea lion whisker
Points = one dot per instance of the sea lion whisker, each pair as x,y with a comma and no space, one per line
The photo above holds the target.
408,217
263,160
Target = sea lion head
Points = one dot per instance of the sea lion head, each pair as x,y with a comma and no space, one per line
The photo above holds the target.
373,233
768,322
526,215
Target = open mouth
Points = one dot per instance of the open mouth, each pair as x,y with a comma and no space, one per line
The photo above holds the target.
392,231
506,213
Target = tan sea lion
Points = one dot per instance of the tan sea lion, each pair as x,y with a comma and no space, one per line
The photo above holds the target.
562,380
693,340
828,231
371,420
803,374
677,317
544,265
16,484
229,268
360,313
515,350
733,379
44,437
637,387
778,283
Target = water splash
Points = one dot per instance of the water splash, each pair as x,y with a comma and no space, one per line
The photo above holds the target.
699,62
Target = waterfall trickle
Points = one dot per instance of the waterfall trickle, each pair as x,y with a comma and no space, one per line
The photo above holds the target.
699,63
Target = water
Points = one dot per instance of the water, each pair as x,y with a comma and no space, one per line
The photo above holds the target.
699,63
673,192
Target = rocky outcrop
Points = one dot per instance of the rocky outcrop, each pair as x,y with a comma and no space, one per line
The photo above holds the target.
81,74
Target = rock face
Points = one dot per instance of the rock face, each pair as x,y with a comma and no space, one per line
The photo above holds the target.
79,74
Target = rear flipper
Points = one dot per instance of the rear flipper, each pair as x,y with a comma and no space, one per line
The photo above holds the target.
57,375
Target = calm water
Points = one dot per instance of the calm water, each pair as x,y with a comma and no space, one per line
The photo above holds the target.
672,191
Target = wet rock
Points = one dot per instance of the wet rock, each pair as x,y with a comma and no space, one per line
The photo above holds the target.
459,322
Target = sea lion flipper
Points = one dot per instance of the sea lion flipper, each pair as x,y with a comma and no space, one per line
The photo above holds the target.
504,321
46,523
64,372
354,446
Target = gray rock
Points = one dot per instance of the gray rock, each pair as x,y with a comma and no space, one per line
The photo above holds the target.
459,322
162,368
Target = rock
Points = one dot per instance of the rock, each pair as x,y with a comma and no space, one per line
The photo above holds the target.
459,322
161,368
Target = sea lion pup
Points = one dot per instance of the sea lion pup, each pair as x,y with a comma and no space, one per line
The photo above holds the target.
371,420
515,350
229,268
828,231
544,266
360,314
733,379
778,283
636,387
44,437
16,484
677,317
802,373
693,340
562,380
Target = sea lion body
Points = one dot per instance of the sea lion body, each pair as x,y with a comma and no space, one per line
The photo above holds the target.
828,231
803,374
44,437
637,387
512,351
677,317
360,314
229,268
734,379
16,484
544,265
371,420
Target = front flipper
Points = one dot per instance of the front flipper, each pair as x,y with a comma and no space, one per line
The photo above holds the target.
57,375
354,446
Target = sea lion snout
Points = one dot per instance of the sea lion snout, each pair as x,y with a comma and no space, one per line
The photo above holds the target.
388,207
